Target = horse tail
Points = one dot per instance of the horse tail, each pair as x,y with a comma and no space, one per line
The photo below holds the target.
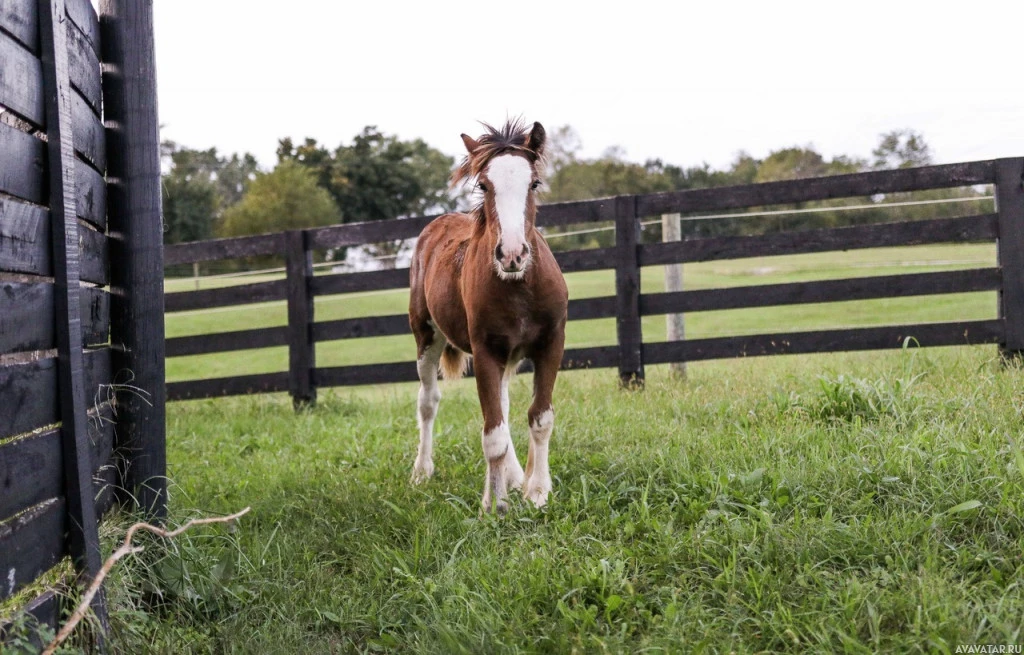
454,363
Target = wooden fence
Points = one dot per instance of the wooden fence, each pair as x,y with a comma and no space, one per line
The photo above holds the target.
626,257
71,323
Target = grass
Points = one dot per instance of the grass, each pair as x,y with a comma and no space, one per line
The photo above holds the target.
841,503
860,503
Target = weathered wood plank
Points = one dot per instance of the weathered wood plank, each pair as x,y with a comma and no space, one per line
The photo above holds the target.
589,308
356,234
32,468
21,81
31,545
595,259
217,249
221,342
357,328
967,229
90,196
818,188
85,69
27,316
90,135
324,285
1010,205
22,165
822,291
570,213
45,609
627,292
301,346
95,255
82,521
843,340
136,214
30,391
20,19
25,238
242,294
241,385
84,17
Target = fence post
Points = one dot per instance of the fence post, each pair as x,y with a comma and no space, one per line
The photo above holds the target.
301,347
1010,205
675,329
627,292
136,217
83,534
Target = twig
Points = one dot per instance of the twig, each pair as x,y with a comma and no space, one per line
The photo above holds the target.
126,549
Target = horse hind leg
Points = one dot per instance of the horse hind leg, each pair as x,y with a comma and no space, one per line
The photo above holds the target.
427,401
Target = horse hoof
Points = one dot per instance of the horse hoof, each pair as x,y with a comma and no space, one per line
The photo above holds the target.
536,494
422,472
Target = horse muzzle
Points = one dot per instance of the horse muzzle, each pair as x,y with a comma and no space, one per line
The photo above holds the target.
512,263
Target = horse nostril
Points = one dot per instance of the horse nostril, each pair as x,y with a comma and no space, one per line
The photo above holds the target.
497,252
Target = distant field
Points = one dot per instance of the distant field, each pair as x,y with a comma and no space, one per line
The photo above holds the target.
765,270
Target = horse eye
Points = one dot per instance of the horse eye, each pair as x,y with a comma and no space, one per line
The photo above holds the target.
535,185
482,186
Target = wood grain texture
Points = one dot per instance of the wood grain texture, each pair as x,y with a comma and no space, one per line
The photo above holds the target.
1010,207
301,346
27,316
242,294
818,188
627,292
221,342
241,385
968,229
85,18
217,249
32,468
20,19
822,291
31,545
843,340
30,391
136,214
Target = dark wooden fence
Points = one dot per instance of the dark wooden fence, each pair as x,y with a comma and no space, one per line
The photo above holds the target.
627,257
79,191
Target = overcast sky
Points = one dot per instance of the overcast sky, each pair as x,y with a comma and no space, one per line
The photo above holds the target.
684,82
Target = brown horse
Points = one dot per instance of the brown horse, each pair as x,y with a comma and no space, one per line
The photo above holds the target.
486,284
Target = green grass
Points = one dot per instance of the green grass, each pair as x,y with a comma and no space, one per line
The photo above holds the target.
860,503
833,503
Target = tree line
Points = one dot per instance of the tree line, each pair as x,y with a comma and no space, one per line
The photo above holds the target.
379,176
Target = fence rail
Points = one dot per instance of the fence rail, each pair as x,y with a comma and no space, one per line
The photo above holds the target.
627,258
67,324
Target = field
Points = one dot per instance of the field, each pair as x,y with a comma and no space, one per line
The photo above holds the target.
858,503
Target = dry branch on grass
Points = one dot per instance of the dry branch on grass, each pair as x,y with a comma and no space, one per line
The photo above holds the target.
125,549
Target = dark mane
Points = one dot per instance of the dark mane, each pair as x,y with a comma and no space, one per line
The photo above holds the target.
513,136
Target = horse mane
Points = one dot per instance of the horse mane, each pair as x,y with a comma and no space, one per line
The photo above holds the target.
513,136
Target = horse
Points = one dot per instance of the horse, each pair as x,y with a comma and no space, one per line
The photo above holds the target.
485,285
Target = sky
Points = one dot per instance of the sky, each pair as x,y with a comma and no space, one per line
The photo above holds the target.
684,82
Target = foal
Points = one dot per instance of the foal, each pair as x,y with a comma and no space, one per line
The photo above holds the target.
486,284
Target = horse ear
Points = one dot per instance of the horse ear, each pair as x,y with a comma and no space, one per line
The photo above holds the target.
538,137
470,143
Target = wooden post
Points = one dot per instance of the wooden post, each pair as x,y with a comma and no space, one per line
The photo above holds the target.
83,531
301,347
135,221
675,329
1010,205
627,292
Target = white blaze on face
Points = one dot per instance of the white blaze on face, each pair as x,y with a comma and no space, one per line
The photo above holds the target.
511,177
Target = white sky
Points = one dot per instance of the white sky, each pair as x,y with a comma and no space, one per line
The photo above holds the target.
686,82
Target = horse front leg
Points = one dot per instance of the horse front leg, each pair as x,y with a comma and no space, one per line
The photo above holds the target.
542,423
496,436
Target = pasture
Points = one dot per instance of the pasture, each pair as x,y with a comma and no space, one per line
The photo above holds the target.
848,502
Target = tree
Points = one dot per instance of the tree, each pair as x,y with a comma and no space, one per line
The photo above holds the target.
901,149
288,198
198,186
378,176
